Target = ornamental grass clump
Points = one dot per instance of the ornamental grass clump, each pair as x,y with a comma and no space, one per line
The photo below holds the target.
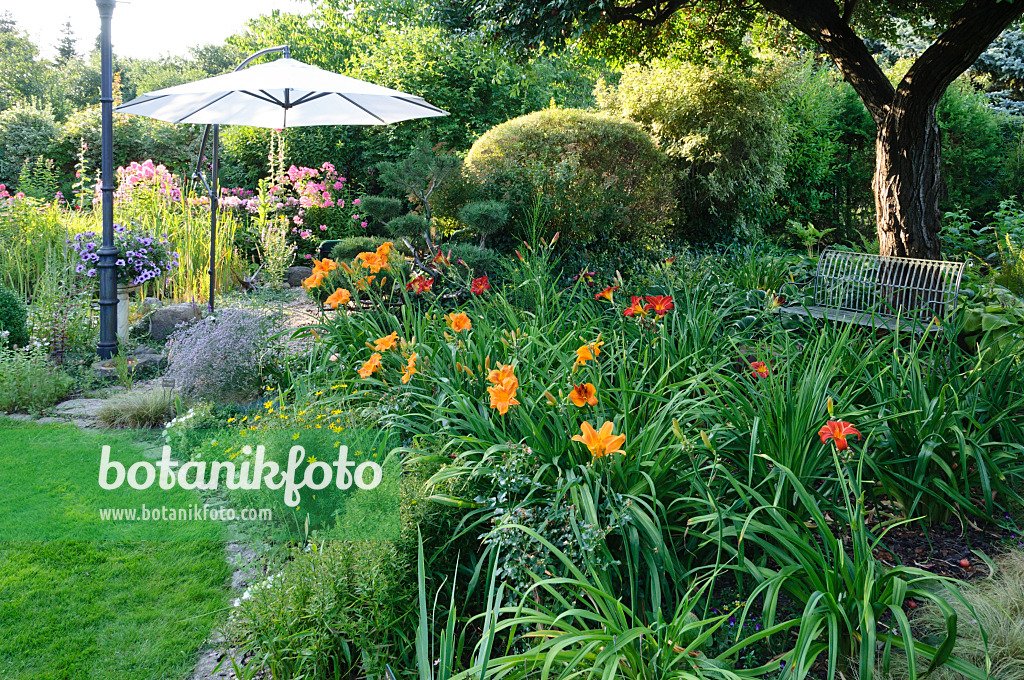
220,357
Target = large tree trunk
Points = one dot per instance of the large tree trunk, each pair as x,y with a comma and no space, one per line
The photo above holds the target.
907,171
907,184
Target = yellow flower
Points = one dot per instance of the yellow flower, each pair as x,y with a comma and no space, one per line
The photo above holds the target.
459,322
601,443
588,352
410,369
504,395
267,404
584,394
341,296
371,366
311,459
386,343
231,420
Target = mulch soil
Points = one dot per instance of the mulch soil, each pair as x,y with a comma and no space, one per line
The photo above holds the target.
947,550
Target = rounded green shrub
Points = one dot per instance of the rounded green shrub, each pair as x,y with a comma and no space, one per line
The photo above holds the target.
480,260
13,319
409,224
722,128
590,176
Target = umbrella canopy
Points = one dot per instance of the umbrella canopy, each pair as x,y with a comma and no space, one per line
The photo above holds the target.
279,94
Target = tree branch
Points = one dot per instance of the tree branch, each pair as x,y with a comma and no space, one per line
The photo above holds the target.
971,29
820,20
849,7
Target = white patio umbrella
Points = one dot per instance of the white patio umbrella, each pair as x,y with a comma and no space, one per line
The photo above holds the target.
277,94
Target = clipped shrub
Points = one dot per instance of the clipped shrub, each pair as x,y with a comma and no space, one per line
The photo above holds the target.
484,217
220,357
381,208
138,409
409,224
592,177
13,319
480,260
26,131
30,382
723,130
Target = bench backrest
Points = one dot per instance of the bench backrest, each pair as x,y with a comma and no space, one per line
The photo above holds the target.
887,286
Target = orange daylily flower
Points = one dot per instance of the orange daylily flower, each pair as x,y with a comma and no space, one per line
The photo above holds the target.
760,369
659,304
584,394
385,343
838,431
373,261
608,293
339,297
503,395
588,352
313,280
326,265
364,283
636,307
371,366
410,369
501,374
601,442
384,249
459,322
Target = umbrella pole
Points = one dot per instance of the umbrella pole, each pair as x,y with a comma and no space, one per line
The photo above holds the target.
214,203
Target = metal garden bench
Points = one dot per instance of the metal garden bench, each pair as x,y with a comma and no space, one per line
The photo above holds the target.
883,292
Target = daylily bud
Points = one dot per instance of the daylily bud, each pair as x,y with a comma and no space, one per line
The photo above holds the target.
554,239
707,440
831,407
550,397
520,256
676,429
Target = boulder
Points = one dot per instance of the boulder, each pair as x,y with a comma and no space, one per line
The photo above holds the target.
165,320
79,408
296,275
151,303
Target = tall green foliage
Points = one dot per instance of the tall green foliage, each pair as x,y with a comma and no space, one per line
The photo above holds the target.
722,128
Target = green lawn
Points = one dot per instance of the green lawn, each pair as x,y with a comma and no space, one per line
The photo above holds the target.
118,609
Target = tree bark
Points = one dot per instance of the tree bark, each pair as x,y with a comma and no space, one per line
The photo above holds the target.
907,185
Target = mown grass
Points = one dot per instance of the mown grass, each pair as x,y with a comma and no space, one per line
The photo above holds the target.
102,609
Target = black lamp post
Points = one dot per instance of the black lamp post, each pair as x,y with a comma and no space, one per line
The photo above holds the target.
107,264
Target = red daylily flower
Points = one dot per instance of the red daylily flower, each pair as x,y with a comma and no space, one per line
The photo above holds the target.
479,286
760,369
420,284
607,293
659,304
636,307
838,431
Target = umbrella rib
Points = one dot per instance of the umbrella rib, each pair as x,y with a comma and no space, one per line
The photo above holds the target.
423,104
144,99
309,97
266,98
363,109
189,115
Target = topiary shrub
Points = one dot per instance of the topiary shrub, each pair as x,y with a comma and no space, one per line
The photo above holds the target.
383,209
409,225
722,128
13,320
484,217
590,176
